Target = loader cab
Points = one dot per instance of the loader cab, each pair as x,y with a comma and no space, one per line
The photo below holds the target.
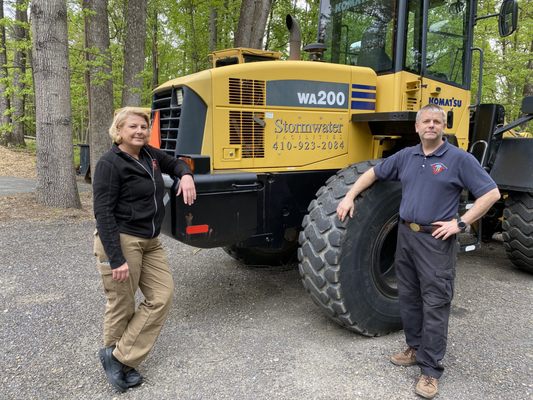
426,37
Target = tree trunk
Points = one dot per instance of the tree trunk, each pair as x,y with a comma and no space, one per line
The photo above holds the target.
56,180
134,43
18,101
5,121
252,23
100,78
195,58
155,59
262,9
87,79
244,28
528,86
213,19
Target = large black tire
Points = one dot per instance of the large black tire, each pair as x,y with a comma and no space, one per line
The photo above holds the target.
259,257
518,230
347,267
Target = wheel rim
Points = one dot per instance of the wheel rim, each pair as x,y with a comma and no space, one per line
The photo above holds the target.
383,271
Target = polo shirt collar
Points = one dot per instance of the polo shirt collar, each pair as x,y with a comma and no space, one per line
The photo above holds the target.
439,152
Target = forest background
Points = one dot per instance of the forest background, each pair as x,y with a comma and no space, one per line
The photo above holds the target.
116,51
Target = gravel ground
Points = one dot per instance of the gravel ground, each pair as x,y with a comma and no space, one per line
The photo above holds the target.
240,333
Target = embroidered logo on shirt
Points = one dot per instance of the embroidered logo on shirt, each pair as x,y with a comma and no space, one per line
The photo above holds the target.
154,165
437,168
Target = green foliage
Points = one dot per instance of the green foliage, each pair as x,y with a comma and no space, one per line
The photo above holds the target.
505,71
305,12
18,82
182,32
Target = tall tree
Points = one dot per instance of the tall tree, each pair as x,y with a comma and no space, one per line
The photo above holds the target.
252,23
213,22
134,44
155,58
528,86
506,72
18,101
4,98
100,78
56,180
194,55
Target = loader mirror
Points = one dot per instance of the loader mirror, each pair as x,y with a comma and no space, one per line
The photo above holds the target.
449,120
508,17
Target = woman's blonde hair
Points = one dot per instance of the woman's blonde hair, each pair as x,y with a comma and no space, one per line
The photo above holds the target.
120,117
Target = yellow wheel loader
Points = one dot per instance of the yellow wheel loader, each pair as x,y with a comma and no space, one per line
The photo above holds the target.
275,145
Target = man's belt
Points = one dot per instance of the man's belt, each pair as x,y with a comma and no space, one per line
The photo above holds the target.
419,228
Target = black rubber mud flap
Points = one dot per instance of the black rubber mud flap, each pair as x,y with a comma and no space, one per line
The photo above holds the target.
348,267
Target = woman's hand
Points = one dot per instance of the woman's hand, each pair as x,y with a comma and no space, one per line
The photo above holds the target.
188,189
121,273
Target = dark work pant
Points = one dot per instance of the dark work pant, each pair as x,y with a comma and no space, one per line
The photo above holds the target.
425,268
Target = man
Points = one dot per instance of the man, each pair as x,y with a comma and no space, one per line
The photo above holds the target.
433,175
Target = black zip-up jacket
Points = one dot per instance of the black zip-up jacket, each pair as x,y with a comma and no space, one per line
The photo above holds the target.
128,196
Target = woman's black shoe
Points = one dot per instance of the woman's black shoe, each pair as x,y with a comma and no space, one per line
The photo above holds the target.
113,369
132,377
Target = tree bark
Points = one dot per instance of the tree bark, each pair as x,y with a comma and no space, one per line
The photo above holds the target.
56,180
18,101
87,80
262,10
134,44
252,23
528,86
5,121
155,59
100,78
244,27
195,58
213,19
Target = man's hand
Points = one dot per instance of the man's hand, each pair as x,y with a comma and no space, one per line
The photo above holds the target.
445,229
345,207
188,189
481,206
121,273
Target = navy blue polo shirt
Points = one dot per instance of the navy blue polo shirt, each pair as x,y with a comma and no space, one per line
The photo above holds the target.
432,184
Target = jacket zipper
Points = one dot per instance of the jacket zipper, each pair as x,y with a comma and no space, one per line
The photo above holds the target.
153,181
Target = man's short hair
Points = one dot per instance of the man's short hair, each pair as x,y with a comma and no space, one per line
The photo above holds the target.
431,108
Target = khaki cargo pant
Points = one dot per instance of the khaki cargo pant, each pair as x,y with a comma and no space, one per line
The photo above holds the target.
135,331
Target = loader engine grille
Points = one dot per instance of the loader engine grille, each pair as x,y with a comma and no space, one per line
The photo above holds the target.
247,129
246,92
169,104
412,103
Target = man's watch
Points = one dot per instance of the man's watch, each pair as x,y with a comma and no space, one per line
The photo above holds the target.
461,224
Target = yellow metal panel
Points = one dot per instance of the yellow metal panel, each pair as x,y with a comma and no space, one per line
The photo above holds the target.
260,118
450,98
310,132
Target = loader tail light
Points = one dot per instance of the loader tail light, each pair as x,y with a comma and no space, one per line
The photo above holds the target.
189,161
196,229
155,133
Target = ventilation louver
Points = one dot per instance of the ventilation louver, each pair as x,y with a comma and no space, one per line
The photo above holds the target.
247,130
169,104
246,92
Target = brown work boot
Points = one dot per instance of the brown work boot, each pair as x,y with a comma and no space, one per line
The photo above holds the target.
427,386
404,358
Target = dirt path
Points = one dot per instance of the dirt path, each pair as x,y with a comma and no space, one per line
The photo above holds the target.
17,163
23,206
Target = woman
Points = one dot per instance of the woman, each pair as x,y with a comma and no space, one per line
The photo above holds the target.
128,192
